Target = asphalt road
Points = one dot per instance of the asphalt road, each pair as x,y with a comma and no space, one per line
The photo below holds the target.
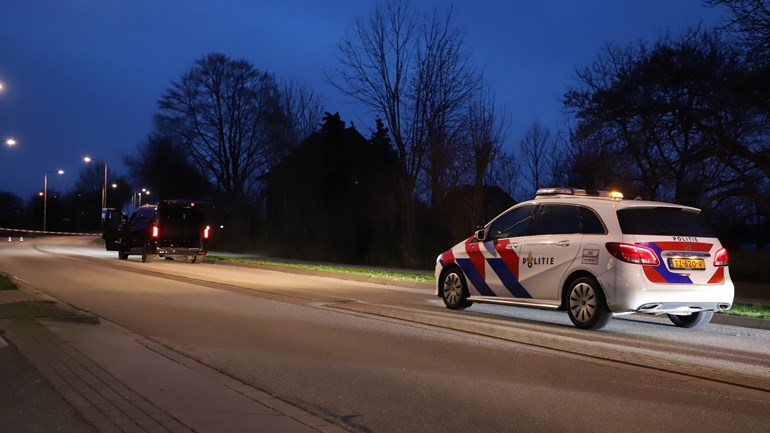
393,359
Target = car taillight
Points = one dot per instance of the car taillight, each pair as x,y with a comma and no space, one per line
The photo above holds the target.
631,253
720,258
206,232
155,231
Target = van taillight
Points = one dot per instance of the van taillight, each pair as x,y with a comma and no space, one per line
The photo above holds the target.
155,231
206,232
631,253
720,258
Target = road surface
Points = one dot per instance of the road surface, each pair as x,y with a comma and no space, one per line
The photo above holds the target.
376,358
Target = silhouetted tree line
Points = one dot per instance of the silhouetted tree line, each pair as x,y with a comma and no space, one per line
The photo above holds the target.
684,119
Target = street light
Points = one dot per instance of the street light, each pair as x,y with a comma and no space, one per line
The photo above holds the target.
45,195
10,142
139,194
104,188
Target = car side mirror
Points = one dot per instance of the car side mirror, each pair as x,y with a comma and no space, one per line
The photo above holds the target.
480,235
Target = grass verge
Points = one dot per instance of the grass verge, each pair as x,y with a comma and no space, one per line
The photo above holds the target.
6,283
340,269
749,310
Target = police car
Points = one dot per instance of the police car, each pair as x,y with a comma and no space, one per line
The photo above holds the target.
594,255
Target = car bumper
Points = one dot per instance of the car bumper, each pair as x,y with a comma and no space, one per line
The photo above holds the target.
632,292
166,251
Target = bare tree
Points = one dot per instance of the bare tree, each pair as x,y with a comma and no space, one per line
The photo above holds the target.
414,72
750,20
302,113
377,57
225,112
536,150
678,122
486,130
166,168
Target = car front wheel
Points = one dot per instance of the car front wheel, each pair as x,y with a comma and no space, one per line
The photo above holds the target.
693,320
455,291
586,305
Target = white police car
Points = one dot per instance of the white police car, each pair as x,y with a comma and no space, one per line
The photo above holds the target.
594,255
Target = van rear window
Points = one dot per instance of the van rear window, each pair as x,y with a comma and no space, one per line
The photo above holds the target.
663,221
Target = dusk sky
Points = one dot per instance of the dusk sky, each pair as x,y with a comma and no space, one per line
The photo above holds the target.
83,77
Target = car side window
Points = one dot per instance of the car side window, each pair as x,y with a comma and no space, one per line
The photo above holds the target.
590,223
556,219
142,219
511,224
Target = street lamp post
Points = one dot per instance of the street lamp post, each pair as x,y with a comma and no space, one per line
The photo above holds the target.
45,195
104,187
138,203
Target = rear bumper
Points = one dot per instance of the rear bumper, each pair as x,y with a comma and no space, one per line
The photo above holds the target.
636,294
171,251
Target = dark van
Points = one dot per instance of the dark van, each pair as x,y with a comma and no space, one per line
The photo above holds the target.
170,229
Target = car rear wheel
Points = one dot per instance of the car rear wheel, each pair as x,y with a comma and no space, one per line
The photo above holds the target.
694,320
145,255
455,291
122,255
586,305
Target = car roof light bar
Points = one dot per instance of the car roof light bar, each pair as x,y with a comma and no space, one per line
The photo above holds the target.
577,192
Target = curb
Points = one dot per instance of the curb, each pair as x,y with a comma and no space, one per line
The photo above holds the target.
741,321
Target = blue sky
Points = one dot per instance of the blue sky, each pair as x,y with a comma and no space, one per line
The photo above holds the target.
84,76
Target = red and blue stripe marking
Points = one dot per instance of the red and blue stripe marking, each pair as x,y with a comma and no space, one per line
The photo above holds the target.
661,274
505,266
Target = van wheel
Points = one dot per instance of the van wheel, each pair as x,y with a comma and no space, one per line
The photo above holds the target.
170,259
145,255
455,291
586,304
122,255
693,321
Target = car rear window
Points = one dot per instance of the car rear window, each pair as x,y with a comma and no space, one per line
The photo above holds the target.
663,221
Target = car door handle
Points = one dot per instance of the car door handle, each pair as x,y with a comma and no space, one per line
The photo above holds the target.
563,243
511,246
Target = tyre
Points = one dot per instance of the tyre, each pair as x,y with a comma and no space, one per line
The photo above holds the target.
586,304
694,320
455,290
145,255
194,259
170,259
122,255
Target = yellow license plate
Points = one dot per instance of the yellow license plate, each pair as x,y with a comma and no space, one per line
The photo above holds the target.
687,264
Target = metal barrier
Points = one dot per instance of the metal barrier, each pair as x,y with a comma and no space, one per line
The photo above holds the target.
21,238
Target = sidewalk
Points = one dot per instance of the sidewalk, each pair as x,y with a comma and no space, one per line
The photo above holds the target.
121,382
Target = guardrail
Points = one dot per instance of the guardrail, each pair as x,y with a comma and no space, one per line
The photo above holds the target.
47,232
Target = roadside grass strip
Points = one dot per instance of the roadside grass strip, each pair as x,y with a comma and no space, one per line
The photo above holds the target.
6,283
340,269
756,311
